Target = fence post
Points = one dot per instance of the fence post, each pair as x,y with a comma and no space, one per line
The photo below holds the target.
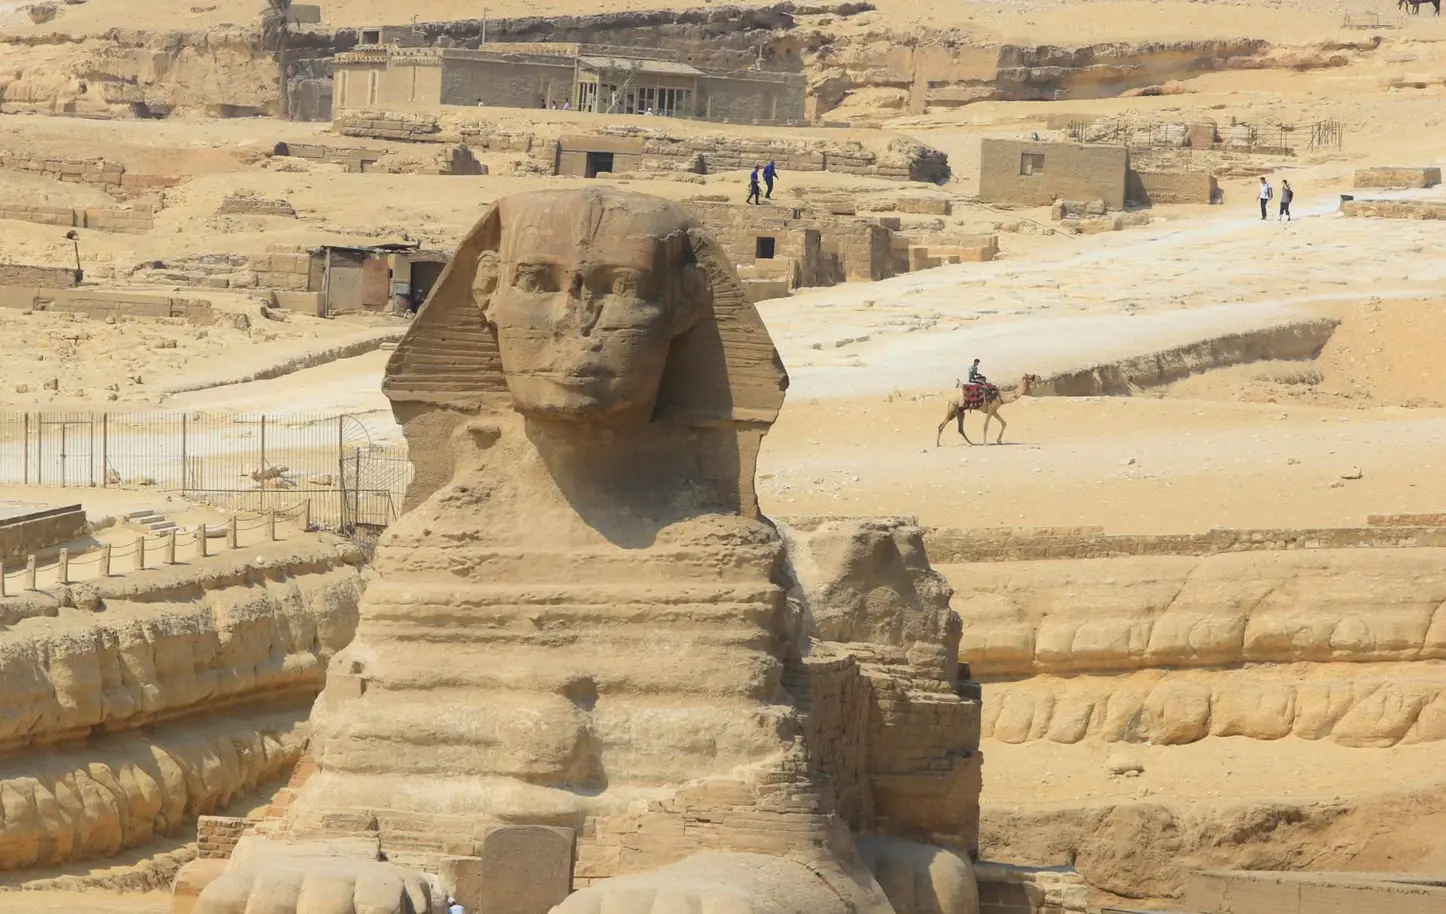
29,572
307,525
25,448
184,417
105,560
261,483
141,553
63,569
271,525
171,548
201,544
233,534
104,450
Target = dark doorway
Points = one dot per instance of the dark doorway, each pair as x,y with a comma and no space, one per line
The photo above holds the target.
598,161
763,248
424,276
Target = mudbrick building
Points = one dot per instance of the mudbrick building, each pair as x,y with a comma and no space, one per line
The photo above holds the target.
384,71
1035,173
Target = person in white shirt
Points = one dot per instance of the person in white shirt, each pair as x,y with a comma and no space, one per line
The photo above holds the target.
1265,194
453,907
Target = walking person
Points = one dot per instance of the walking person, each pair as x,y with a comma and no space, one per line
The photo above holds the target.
753,189
1265,194
1286,195
770,172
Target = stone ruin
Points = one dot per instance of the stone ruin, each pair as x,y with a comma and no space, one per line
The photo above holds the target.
589,674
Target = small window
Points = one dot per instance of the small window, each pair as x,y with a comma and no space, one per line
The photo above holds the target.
1031,163
763,249
370,37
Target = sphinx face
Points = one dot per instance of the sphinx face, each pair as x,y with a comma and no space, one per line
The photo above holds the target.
585,299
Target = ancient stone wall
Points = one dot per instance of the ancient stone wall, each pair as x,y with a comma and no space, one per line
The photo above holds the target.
286,269
19,274
1302,339
1005,889
953,546
174,692
1395,209
99,304
354,159
1035,174
903,159
1238,892
1152,188
1396,178
96,172
137,220
216,836
30,533
251,205
1245,633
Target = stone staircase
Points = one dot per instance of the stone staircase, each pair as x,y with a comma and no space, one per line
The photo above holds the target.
284,797
153,522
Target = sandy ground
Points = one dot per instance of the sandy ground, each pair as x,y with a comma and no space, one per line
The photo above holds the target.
1041,774
84,902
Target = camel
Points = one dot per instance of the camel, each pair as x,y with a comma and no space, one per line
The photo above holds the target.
989,406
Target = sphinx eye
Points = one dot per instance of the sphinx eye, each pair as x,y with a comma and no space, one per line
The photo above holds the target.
532,277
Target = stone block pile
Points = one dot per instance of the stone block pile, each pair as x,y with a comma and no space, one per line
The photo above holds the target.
1392,178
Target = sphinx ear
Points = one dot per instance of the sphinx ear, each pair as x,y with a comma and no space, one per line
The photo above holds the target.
693,289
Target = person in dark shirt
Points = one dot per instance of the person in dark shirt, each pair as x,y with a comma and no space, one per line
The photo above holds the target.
753,187
1286,195
770,172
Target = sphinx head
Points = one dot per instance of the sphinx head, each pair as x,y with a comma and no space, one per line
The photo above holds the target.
586,292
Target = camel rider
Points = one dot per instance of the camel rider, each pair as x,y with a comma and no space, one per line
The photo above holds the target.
977,377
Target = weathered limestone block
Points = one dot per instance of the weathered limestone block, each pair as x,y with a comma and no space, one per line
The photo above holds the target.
1396,178
1367,705
519,869
119,792
1121,614
172,642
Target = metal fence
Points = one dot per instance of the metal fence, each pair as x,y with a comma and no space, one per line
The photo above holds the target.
269,462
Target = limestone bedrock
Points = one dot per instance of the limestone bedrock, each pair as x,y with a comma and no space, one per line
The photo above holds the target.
581,620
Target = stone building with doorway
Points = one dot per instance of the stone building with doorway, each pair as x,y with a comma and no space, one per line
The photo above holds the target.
387,70
1037,173
1031,173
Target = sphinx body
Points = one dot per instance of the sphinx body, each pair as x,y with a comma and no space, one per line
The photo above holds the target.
581,622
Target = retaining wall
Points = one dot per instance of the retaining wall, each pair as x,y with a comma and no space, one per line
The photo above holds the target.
19,274
103,303
1396,177
1151,188
31,533
949,546
1395,209
133,221
1313,893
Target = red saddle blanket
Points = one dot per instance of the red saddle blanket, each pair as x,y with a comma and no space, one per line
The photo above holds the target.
976,394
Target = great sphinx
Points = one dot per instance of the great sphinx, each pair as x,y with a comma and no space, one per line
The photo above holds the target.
583,637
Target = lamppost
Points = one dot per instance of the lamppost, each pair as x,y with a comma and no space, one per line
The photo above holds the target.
74,238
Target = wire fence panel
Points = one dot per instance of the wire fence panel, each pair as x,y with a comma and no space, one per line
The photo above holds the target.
264,462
